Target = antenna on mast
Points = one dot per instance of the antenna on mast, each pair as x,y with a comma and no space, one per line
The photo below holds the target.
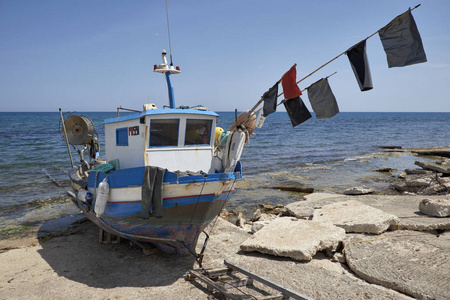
168,32
166,69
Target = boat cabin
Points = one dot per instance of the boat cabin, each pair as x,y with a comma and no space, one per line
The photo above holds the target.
174,139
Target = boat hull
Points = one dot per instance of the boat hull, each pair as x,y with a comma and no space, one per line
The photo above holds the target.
190,203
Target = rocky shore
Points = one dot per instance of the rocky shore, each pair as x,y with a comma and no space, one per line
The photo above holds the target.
327,246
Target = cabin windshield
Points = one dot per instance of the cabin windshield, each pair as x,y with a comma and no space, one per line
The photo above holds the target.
198,132
164,132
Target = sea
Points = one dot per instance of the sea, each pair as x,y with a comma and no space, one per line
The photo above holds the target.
329,155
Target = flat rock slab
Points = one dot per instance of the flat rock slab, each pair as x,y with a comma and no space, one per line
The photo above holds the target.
305,209
355,216
294,238
414,263
433,167
293,186
434,152
319,278
358,191
405,207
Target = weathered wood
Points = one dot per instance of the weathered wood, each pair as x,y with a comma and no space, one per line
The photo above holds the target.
107,238
147,248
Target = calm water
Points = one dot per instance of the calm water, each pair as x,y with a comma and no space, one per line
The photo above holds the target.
330,155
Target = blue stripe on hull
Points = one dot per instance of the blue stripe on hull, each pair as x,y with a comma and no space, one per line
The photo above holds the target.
133,177
123,209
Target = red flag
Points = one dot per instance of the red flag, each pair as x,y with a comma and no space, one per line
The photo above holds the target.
289,83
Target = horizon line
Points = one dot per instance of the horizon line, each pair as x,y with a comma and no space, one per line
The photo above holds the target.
226,111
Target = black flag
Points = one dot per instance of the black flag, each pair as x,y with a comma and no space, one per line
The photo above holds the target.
297,111
270,100
322,99
360,65
402,42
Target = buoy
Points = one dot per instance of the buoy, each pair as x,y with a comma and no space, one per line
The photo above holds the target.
219,131
235,146
102,197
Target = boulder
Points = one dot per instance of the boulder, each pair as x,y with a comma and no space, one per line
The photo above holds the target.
435,207
266,212
355,216
423,184
258,225
434,189
274,210
300,211
419,180
294,238
256,215
234,217
401,187
358,191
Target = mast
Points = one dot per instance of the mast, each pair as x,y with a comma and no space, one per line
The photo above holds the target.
167,70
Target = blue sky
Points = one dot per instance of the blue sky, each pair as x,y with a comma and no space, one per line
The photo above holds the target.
97,55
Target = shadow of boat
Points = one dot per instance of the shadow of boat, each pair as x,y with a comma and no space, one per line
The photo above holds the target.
77,255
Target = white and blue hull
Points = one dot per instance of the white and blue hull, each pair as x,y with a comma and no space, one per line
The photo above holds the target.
190,203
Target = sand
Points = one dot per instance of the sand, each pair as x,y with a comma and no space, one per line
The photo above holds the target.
76,266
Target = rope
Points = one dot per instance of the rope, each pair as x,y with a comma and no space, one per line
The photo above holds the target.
281,102
198,198
58,183
197,257
223,205
310,74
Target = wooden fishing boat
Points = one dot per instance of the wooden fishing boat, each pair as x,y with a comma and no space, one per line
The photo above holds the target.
167,174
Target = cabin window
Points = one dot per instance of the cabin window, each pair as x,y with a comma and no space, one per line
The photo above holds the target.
164,132
198,132
122,136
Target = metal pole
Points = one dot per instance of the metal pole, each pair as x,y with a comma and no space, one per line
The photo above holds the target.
170,88
65,137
